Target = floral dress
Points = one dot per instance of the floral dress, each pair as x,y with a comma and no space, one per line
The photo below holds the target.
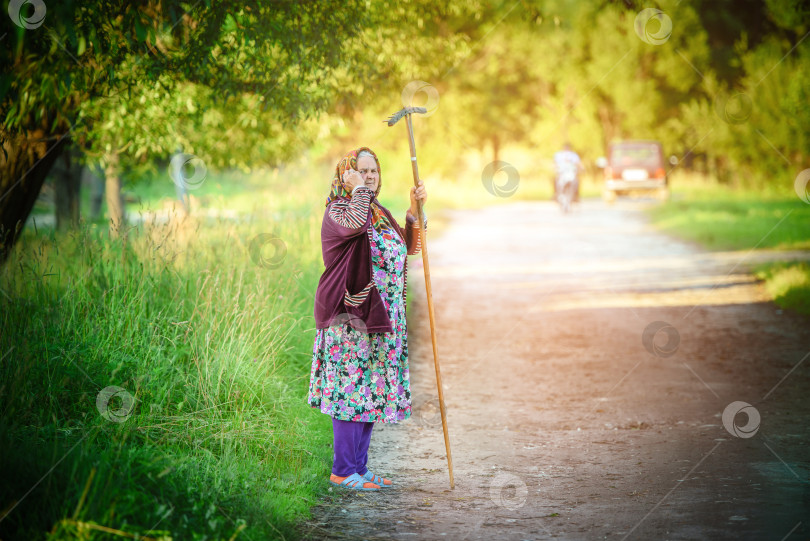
364,377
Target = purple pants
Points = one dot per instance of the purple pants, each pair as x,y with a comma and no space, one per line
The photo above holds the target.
351,447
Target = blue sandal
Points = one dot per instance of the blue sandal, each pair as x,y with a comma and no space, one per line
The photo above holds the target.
377,480
354,482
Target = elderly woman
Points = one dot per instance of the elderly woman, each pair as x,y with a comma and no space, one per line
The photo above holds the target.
360,358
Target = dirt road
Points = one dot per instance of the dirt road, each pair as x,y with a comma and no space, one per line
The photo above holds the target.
567,420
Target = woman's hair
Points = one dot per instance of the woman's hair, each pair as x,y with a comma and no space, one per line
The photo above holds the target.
364,153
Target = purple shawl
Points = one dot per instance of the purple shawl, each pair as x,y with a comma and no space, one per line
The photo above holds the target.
347,258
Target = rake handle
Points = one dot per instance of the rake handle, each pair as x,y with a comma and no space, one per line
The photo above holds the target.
431,313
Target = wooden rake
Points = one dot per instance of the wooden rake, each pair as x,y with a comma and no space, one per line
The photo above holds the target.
407,112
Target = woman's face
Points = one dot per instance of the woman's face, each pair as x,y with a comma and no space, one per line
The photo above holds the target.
367,167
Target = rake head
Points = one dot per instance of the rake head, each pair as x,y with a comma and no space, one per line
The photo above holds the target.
406,111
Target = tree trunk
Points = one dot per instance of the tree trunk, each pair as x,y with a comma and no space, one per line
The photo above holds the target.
24,163
93,177
67,182
496,148
115,202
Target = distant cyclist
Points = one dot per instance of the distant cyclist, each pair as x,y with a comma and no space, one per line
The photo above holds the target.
567,161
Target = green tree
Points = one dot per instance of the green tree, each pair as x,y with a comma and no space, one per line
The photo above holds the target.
751,119
77,70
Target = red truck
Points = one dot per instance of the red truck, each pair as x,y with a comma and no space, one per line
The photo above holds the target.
634,167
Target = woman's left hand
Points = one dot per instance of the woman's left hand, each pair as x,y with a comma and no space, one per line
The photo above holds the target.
418,193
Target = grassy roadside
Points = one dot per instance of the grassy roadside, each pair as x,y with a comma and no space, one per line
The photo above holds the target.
721,218
209,331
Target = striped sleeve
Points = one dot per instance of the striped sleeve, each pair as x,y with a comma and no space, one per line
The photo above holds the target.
352,214
412,223
358,298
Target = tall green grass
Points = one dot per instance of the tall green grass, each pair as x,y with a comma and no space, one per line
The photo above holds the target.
214,348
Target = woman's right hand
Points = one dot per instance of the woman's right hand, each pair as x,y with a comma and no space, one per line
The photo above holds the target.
352,178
